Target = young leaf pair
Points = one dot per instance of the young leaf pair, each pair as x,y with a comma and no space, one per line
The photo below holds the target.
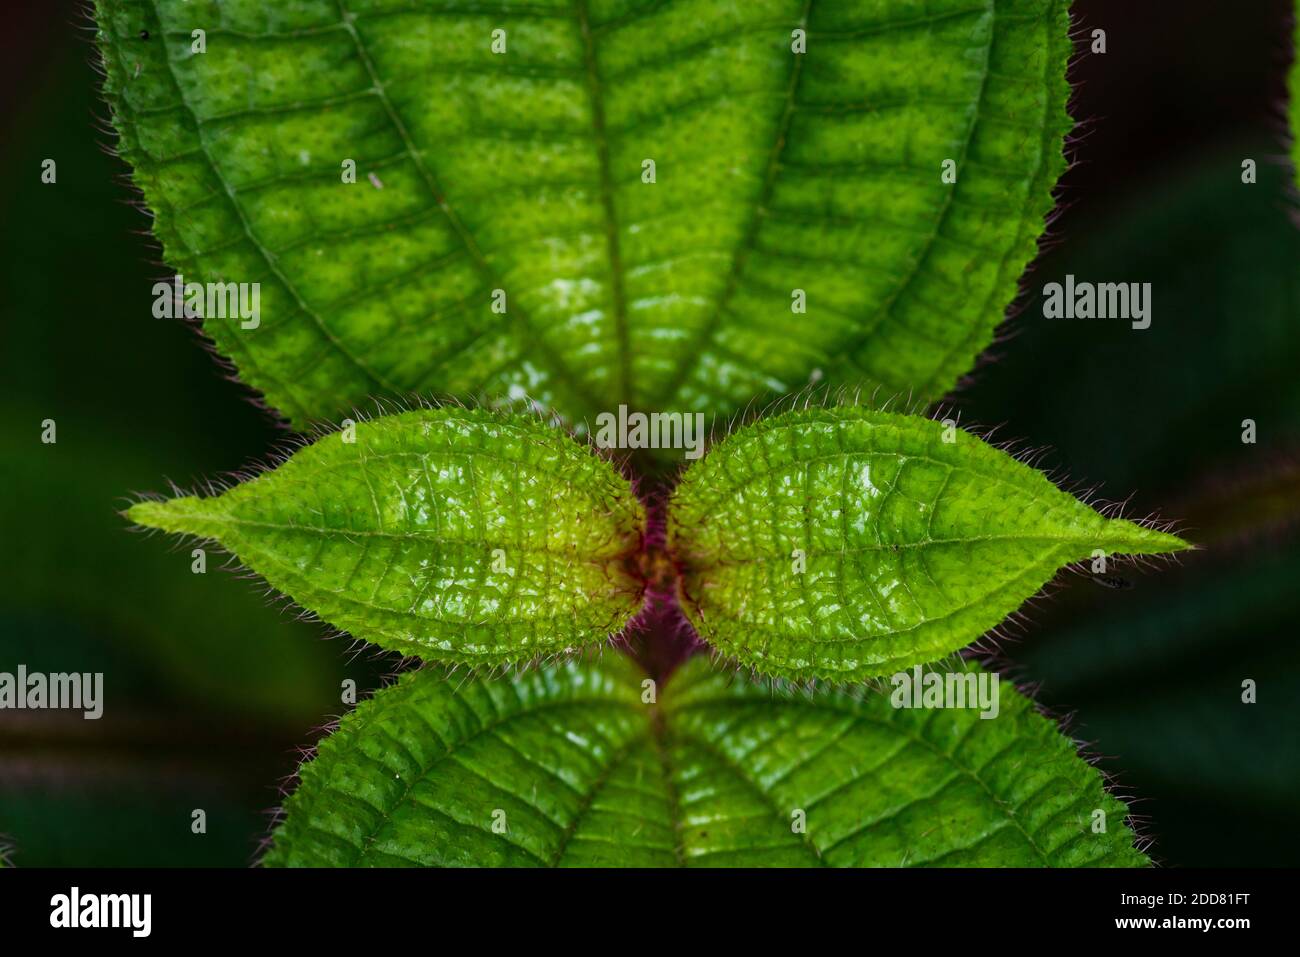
833,543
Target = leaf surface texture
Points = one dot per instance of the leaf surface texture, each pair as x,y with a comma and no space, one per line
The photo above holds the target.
522,171
576,771
843,543
451,534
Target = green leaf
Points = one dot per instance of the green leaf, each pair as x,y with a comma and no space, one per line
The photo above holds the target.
842,543
451,534
1293,88
522,171
574,770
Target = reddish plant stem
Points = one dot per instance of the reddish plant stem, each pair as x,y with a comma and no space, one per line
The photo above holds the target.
660,637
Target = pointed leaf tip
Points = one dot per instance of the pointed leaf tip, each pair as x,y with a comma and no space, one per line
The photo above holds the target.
184,515
1125,537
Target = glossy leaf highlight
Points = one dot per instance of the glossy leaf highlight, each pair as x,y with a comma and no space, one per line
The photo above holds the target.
843,543
450,534
887,165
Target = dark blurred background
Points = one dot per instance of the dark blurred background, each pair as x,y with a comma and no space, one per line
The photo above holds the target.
212,688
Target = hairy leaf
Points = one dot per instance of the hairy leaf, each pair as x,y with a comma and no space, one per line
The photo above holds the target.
778,176
450,534
1293,88
842,543
574,769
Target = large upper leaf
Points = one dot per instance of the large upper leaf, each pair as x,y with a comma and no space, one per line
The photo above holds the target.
841,543
1293,87
573,769
522,171
452,534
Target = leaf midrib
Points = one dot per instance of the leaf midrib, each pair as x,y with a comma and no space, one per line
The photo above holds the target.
895,727
561,370
618,295
655,736
744,247
609,626
449,543
719,706
901,546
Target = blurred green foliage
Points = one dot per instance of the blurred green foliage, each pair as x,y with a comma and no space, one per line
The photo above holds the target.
1154,673
135,399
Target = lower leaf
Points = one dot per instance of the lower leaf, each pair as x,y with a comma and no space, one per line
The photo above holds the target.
580,766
